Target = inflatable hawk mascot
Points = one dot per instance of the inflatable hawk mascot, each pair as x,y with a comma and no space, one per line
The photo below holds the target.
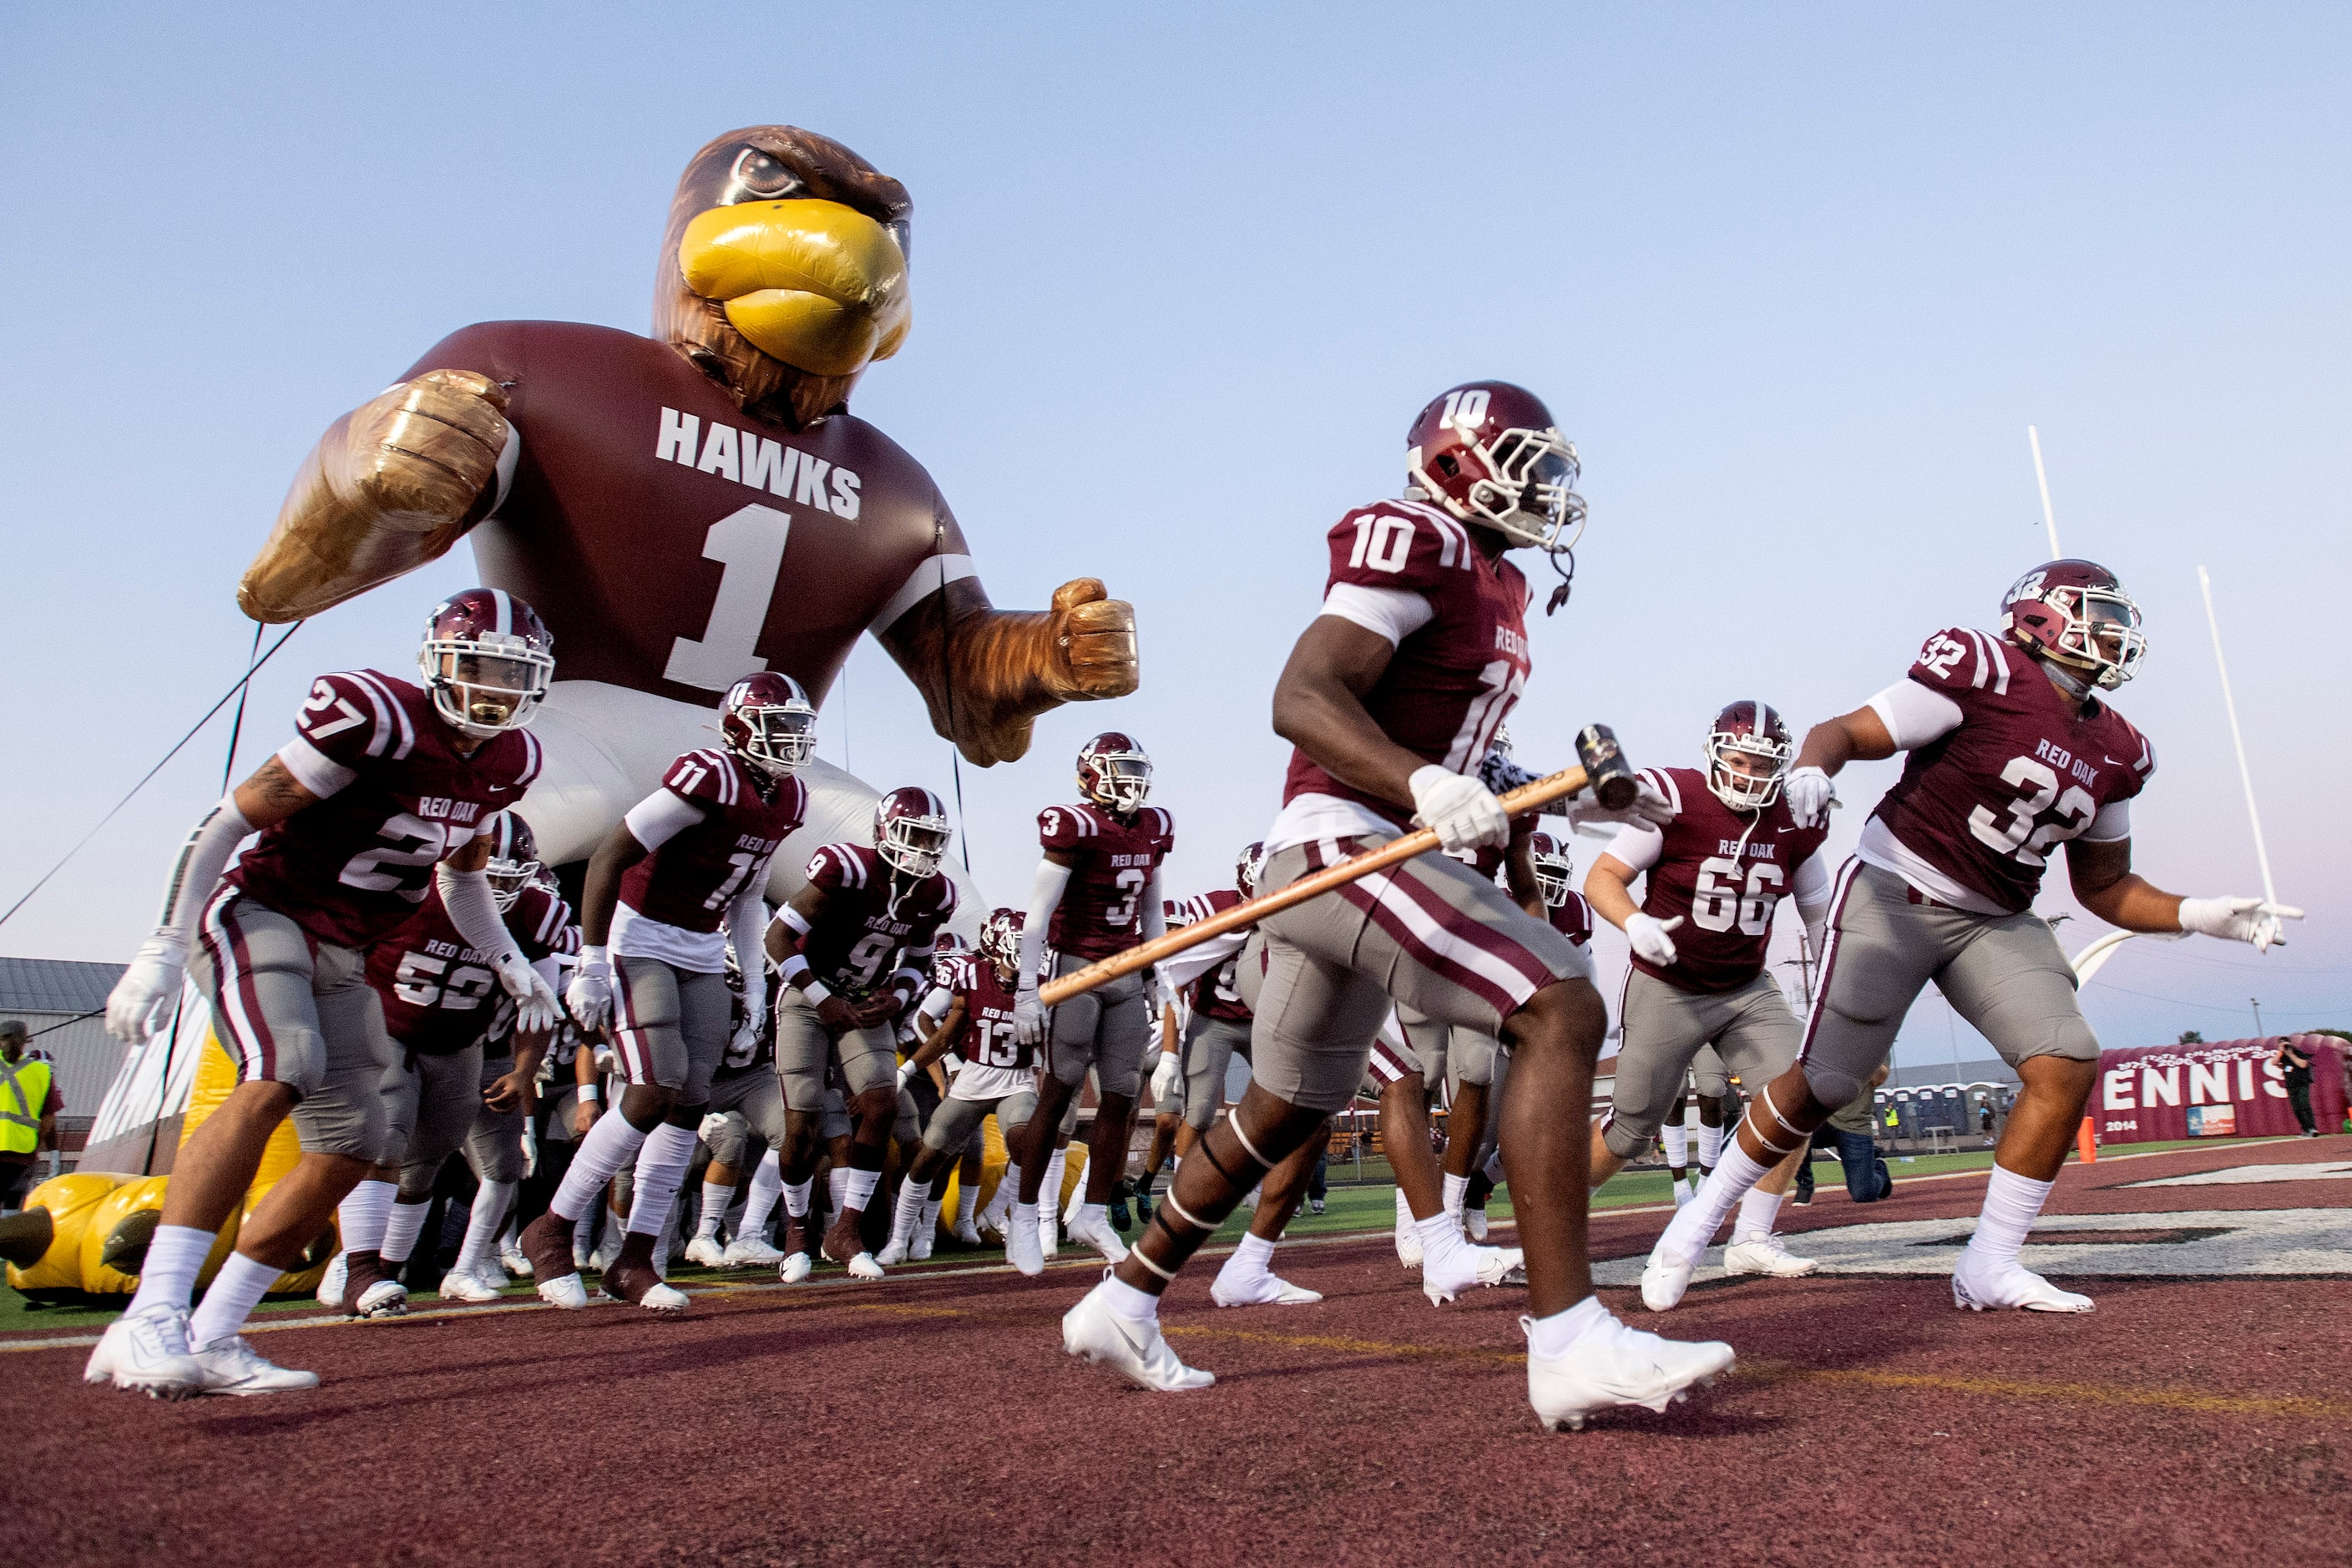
687,509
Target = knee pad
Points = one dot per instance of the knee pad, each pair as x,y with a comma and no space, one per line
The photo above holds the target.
1625,1137
1833,1086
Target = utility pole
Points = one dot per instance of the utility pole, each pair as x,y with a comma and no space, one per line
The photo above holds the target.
2257,1004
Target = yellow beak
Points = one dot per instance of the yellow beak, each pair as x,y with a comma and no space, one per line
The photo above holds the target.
815,284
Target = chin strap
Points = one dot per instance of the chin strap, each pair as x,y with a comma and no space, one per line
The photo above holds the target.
1567,580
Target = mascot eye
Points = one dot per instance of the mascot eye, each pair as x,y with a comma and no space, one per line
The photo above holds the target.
904,233
757,177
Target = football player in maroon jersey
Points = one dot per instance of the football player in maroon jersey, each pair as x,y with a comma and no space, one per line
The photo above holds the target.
1715,875
2012,752
674,886
384,787
1096,893
1391,697
847,947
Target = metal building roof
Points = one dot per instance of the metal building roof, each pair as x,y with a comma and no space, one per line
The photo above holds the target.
54,984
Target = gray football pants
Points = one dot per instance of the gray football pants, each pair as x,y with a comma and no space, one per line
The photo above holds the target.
1108,1030
670,1026
1209,1045
2004,974
954,1123
1751,1029
429,1107
752,1103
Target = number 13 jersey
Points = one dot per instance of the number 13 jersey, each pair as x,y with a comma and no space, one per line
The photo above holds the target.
2003,768
1101,911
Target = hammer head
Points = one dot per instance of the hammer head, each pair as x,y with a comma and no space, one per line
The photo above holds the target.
1605,767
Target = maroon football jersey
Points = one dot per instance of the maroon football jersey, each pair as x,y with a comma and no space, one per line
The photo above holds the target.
1214,994
440,995
674,544
1573,920
988,1038
1453,680
1101,911
350,869
2027,769
870,917
1724,871
689,881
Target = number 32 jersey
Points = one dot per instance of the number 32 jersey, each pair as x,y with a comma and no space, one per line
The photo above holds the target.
1101,911
1724,872
396,797
1979,808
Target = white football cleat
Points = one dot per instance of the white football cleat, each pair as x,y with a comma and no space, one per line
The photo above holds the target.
863,1266
750,1252
330,1285
1474,1223
1049,1237
1979,1289
1681,1193
459,1286
147,1352
1023,1247
511,1259
1468,1265
705,1250
568,1292
1664,1280
1614,1366
1260,1289
1099,1234
966,1231
664,1298
796,1268
895,1253
1408,1238
1767,1255
919,1250
1135,1351
384,1298
232,1366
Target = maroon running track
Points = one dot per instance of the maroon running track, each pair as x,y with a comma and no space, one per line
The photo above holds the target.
934,1418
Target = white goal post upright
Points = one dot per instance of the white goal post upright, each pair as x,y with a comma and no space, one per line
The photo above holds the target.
2230,704
2049,517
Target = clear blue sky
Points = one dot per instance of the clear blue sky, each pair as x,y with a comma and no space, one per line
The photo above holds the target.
1795,279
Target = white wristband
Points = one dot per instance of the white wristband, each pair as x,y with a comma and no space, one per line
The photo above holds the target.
588,1092
814,989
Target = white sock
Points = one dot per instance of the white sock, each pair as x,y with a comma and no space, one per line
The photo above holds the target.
1008,1187
967,1202
1456,1186
1695,1223
931,1220
610,1144
1404,1210
1710,1145
1441,1233
1253,1254
235,1291
175,1255
714,1200
908,1214
1128,1302
1757,1211
1092,1214
859,1193
1548,1338
400,1230
836,1183
2012,1204
479,1254
661,1167
796,1197
1677,1138
1049,1190
760,1199
361,1216
1024,1214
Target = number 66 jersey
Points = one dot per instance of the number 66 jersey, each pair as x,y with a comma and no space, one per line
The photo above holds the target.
1724,872
2003,767
395,797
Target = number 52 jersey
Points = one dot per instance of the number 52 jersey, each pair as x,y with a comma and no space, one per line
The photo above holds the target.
2000,772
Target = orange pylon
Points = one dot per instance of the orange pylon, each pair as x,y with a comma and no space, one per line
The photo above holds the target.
2086,1143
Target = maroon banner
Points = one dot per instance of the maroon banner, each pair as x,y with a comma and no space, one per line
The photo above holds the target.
2226,1089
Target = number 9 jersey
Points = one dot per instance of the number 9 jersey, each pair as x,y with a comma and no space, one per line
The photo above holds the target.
395,797
1724,871
2003,768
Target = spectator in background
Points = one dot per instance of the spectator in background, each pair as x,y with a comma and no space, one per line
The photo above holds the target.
1867,1180
2293,1063
29,1103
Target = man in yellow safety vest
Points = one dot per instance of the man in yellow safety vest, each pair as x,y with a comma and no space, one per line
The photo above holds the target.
29,1103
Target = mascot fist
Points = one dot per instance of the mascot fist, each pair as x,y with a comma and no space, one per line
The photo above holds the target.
1000,669
1094,643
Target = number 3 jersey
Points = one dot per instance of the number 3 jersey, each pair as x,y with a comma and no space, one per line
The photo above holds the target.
2003,768
995,1061
712,834
1724,872
440,995
869,917
1112,862
395,797
1409,571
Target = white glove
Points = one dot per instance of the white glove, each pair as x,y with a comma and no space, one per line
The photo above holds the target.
1648,935
1168,1077
712,1125
590,994
906,1071
1649,809
745,1046
535,1005
2233,920
1463,811
1809,795
135,1008
1028,1019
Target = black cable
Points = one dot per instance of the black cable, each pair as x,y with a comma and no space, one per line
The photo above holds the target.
236,724
149,774
947,655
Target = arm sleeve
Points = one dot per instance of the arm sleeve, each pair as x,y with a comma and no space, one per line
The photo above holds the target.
1812,891
1153,916
312,768
936,1003
747,926
1392,612
199,869
1915,714
660,817
466,896
552,971
2112,824
1639,845
1045,898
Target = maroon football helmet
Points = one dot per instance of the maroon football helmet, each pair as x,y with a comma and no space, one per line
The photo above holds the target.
1245,869
1552,865
1491,453
1000,942
486,660
766,721
1755,731
1114,774
2076,614
514,859
910,830
946,948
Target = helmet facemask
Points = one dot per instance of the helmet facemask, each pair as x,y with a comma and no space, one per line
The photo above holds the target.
487,684
1000,944
779,741
2100,636
1552,870
1121,781
1527,493
914,844
508,878
1752,782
